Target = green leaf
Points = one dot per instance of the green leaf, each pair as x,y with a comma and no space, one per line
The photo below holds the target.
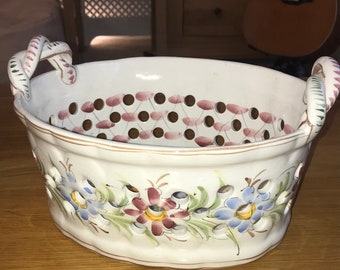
115,225
124,201
149,234
232,237
200,227
201,202
125,224
204,197
216,204
197,229
118,221
110,194
102,197
193,203
220,178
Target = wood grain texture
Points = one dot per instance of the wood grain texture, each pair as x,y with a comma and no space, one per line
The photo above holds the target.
29,239
287,30
200,28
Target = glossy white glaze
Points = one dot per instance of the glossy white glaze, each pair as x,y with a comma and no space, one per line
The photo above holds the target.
193,193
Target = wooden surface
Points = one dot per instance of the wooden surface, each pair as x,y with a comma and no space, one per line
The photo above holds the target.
29,239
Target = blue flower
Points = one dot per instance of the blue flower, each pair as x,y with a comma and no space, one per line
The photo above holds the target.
241,212
82,198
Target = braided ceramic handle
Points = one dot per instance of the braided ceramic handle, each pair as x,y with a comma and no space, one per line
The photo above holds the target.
328,70
322,89
22,65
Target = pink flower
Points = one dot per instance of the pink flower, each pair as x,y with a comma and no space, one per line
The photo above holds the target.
155,211
87,107
267,117
236,109
63,114
176,99
114,100
206,104
144,95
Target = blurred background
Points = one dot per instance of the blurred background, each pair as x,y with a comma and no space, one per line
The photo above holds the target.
281,34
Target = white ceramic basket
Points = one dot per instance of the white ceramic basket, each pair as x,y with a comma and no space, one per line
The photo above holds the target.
173,162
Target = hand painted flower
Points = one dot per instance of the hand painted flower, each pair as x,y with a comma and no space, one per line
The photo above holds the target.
155,211
82,198
241,213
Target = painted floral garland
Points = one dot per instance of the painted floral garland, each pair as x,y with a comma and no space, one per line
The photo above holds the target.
178,216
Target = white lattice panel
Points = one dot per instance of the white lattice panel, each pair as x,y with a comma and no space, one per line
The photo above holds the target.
117,8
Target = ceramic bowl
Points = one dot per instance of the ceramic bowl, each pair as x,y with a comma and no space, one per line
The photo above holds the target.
167,161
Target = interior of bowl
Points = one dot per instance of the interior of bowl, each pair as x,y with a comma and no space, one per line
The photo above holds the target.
169,101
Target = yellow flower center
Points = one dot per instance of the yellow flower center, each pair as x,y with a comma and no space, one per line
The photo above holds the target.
245,211
78,199
155,213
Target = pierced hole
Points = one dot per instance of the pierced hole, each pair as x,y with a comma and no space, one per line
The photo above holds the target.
180,197
73,108
236,125
89,187
219,140
172,117
132,189
281,124
143,116
90,183
254,113
209,121
102,136
220,107
79,199
265,135
318,70
98,104
115,117
87,124
133,133
179,230
299,171
49,194
246,141
189,134
189,100
265,186
138,227
101,220
159,98
158,132
51,120
220,229
288,207
68,207
128,99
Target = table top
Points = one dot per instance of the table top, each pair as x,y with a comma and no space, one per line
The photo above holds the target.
30,240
